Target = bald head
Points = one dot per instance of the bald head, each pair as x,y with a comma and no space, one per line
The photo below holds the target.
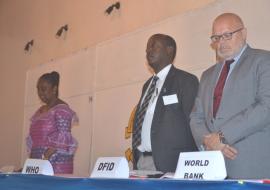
232,19
228,35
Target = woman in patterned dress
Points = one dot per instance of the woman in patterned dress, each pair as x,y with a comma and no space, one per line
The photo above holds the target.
50,131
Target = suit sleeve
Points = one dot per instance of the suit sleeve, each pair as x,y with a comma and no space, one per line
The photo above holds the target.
189,94
256,116
197,117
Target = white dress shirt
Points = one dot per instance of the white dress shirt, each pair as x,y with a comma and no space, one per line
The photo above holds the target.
147,123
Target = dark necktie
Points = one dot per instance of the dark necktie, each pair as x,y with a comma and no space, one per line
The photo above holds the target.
136,138
220,85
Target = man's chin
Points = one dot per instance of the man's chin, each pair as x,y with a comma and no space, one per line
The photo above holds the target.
225,56
152,67
151,64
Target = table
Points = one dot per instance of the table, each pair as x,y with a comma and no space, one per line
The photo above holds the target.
42,182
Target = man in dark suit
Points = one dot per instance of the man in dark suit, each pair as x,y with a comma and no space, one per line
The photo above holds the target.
161,128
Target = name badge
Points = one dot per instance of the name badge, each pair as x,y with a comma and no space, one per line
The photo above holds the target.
170,99
111,167
37,166
208,165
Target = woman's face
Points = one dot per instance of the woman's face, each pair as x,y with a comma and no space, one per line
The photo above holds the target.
46,91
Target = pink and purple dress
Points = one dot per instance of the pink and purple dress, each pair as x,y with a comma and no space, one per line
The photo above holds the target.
52,129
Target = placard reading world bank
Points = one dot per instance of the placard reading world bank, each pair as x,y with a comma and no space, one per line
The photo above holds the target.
208,165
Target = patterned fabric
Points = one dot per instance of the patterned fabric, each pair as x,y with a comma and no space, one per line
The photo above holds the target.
52,129
220,85
136,140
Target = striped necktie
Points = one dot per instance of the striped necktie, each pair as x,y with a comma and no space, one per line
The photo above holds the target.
136,137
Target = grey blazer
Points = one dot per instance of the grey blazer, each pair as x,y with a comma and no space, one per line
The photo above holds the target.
170,131
243,115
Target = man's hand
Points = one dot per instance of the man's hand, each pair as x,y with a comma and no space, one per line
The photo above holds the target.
213,142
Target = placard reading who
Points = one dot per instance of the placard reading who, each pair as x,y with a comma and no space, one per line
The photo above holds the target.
37,166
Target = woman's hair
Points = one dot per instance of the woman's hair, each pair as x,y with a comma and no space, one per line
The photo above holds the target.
52,78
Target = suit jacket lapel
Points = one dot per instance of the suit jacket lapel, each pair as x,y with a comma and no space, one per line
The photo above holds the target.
233,78
145,86
164,91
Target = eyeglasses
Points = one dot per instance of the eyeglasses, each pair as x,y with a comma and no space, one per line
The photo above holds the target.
225,36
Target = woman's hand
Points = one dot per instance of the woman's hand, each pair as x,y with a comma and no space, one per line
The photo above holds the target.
48,153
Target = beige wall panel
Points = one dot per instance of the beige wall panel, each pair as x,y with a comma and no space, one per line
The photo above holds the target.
112,110
82,133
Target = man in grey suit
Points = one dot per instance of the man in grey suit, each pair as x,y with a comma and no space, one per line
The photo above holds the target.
235,117
161,129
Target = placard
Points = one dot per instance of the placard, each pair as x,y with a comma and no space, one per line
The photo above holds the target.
37,166
208,165
111,167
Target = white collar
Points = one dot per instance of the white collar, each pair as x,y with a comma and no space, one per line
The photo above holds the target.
164,72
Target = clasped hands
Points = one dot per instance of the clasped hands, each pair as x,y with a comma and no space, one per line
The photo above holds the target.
48,153
212,141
